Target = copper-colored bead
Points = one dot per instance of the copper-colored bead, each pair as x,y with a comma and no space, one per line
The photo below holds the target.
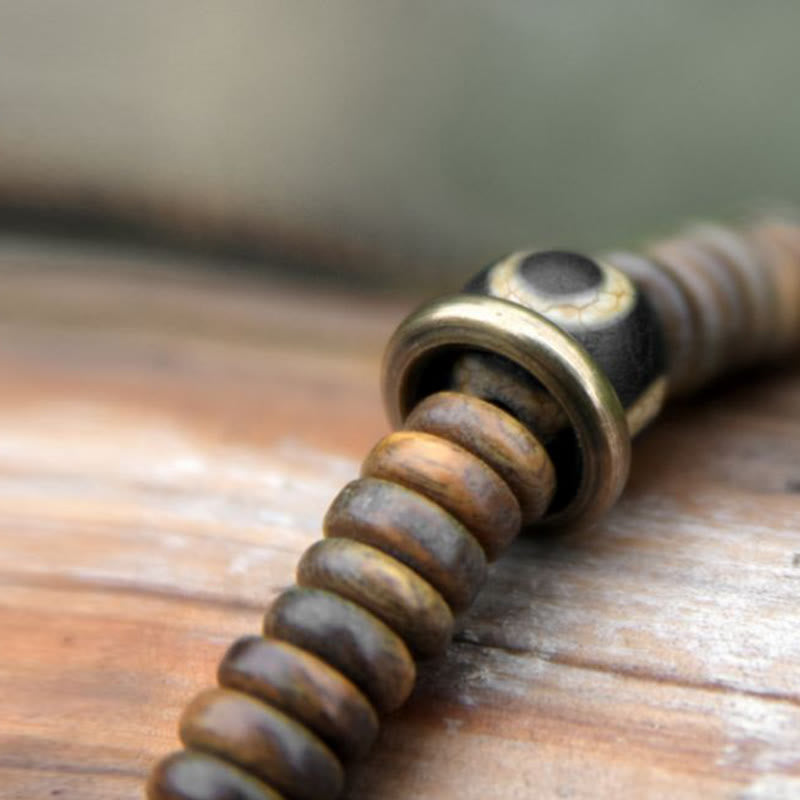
755,288
263,740
495,437
349,638
395,594
415,531
455,479
305,688
189,775
712,298
779,242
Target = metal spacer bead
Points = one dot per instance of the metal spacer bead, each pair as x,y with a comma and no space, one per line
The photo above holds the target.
470,322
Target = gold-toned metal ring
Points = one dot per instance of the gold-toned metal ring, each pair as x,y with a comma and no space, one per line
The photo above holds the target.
546,352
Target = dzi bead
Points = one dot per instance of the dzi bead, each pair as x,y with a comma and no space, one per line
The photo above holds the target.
518,399
599,306
566,344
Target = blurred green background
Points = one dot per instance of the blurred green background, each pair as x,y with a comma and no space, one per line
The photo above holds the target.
393,142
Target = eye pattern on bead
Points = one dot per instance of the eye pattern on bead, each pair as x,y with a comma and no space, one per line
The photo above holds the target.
574,292
488,447
600,306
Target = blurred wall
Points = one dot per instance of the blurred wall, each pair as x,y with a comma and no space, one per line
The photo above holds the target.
432,134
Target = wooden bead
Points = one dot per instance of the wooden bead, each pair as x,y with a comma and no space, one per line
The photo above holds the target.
505,384
349,638
415,531
779,243
736,332
455,479
755,289
188,775
495,437
305,688
374,580
264,741
703,293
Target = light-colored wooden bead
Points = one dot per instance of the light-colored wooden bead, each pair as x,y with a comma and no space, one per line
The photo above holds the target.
264,741
305,688
189,775
455,479
779,242
712,296
755,288
414,530
495,437
395,594
349,638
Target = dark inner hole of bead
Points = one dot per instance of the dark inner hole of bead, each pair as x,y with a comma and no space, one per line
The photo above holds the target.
557,273
430,375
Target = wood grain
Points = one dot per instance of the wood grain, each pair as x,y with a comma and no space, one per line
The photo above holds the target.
168,445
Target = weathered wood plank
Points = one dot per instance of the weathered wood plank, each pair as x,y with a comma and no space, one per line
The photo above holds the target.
164,462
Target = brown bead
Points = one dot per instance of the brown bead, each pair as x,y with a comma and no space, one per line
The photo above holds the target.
188,775
455,479
709,297
349,638
264,741
757,293
305,688
495,437
395,594
779,243
415,531
507,385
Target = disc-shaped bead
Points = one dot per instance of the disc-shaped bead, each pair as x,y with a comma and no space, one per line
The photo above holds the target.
414,530
264,741
303,687
349,638
495,437
189,775
454,478
409,605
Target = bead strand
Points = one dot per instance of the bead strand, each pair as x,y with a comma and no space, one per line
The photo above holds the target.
484,451
726,299
406,550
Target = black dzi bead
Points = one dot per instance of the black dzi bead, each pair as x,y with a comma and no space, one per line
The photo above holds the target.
599,306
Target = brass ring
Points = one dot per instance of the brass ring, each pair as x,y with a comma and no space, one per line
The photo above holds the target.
546,352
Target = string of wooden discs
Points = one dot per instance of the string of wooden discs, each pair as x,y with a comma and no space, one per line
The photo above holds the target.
406,545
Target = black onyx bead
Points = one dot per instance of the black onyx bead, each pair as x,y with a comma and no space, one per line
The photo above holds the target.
598,305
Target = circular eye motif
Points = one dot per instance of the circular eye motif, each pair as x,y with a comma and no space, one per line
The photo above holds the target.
569,289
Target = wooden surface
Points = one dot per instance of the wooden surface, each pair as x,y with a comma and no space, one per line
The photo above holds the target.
169,442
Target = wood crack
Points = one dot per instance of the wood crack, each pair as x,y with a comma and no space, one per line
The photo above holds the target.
633,671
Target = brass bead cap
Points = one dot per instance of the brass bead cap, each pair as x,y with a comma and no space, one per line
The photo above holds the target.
565,369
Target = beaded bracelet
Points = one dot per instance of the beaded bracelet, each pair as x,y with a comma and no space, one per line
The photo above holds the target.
515,404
